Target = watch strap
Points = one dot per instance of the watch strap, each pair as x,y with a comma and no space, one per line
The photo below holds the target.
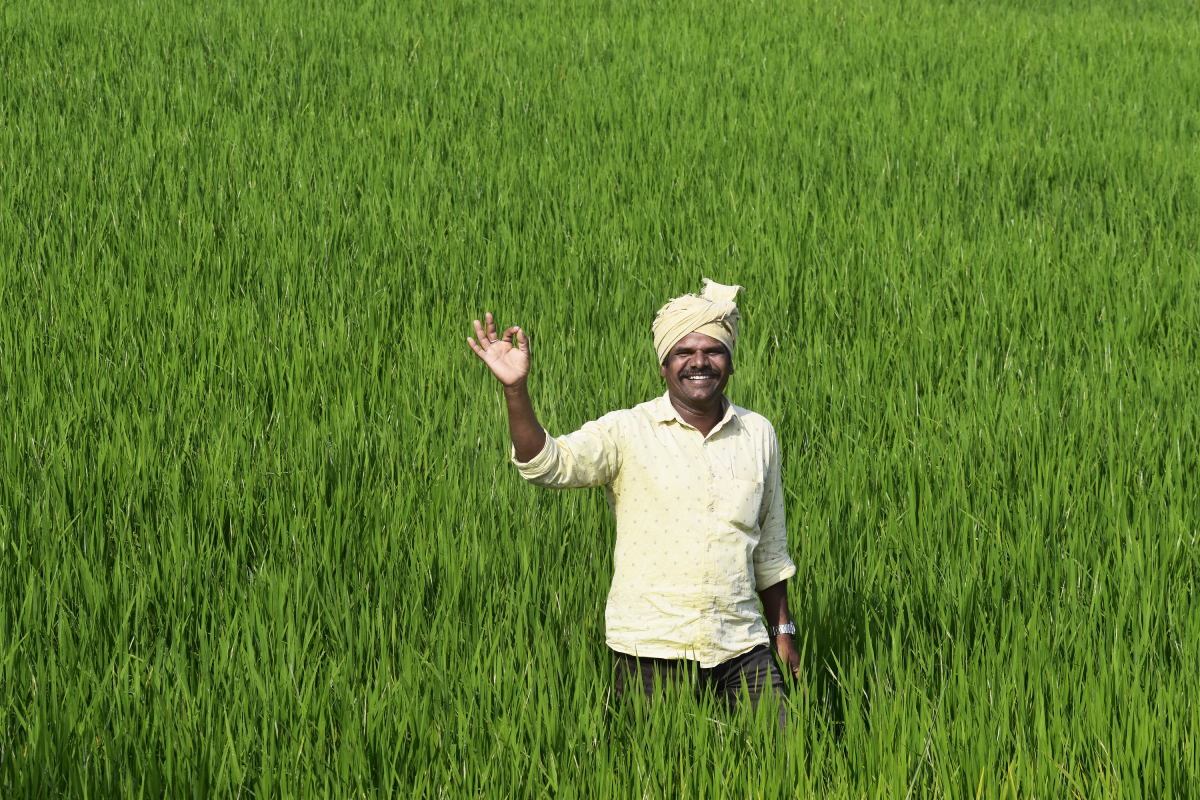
788,628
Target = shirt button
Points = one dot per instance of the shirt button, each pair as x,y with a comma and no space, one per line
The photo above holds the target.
710,508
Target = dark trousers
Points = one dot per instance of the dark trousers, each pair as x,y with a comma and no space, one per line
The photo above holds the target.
755,668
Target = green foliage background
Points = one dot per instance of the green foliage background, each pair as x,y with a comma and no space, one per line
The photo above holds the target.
258,532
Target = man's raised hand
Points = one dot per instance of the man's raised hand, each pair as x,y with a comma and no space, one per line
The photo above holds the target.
507,356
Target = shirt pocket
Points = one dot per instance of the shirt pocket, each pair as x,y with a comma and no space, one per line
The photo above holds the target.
744,501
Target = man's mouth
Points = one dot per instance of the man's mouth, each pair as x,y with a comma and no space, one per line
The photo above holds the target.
700,376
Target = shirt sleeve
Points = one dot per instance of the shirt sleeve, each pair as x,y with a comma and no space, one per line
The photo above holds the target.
771,561
589,457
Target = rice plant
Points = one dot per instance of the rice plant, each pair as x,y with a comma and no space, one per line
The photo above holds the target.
259,535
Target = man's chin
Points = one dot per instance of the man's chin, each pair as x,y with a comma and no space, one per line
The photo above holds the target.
700,395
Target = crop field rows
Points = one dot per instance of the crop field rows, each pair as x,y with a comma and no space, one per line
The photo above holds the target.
259,534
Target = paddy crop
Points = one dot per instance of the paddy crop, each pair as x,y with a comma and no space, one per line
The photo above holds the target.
259,535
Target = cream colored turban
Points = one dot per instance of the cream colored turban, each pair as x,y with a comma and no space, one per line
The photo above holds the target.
713,313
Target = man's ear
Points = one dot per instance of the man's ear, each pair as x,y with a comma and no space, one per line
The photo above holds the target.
662,370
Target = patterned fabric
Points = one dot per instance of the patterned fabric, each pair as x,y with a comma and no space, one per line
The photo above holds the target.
700,525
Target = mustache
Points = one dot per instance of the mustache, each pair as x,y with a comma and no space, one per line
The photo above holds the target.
700,373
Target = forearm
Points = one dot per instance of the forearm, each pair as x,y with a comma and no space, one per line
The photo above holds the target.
528,435
775,604
775,613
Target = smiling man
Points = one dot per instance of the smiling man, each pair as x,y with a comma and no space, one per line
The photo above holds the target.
695,484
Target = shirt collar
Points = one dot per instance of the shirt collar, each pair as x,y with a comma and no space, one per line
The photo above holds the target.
662,411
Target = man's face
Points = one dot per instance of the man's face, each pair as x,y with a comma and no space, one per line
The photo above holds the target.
697,369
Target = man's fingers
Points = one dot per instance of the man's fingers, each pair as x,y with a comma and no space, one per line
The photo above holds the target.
486,338
479,335
484,355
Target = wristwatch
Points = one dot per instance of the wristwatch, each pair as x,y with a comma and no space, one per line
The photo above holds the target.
775,630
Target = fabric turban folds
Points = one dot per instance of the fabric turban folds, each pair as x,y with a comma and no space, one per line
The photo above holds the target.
713,313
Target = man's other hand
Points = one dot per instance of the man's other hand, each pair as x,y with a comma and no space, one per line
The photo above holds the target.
785,646
507,356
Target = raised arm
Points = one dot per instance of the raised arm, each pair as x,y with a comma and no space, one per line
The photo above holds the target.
509,360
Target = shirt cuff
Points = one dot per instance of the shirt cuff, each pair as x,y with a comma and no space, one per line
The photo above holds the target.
540,464
767,576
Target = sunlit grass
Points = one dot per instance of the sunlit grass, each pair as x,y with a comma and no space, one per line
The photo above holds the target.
258,531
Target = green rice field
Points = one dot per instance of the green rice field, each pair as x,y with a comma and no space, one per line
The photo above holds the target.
259,534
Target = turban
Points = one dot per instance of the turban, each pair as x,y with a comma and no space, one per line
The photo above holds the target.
713,313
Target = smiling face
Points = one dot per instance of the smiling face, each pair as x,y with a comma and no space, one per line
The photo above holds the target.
697,369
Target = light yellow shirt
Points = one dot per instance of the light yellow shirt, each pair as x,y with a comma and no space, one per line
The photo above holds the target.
700,525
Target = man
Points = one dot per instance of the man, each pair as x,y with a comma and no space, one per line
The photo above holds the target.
695,484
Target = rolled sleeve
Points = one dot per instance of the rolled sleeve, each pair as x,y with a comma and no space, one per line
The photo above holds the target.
772,563
540,464
584,459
